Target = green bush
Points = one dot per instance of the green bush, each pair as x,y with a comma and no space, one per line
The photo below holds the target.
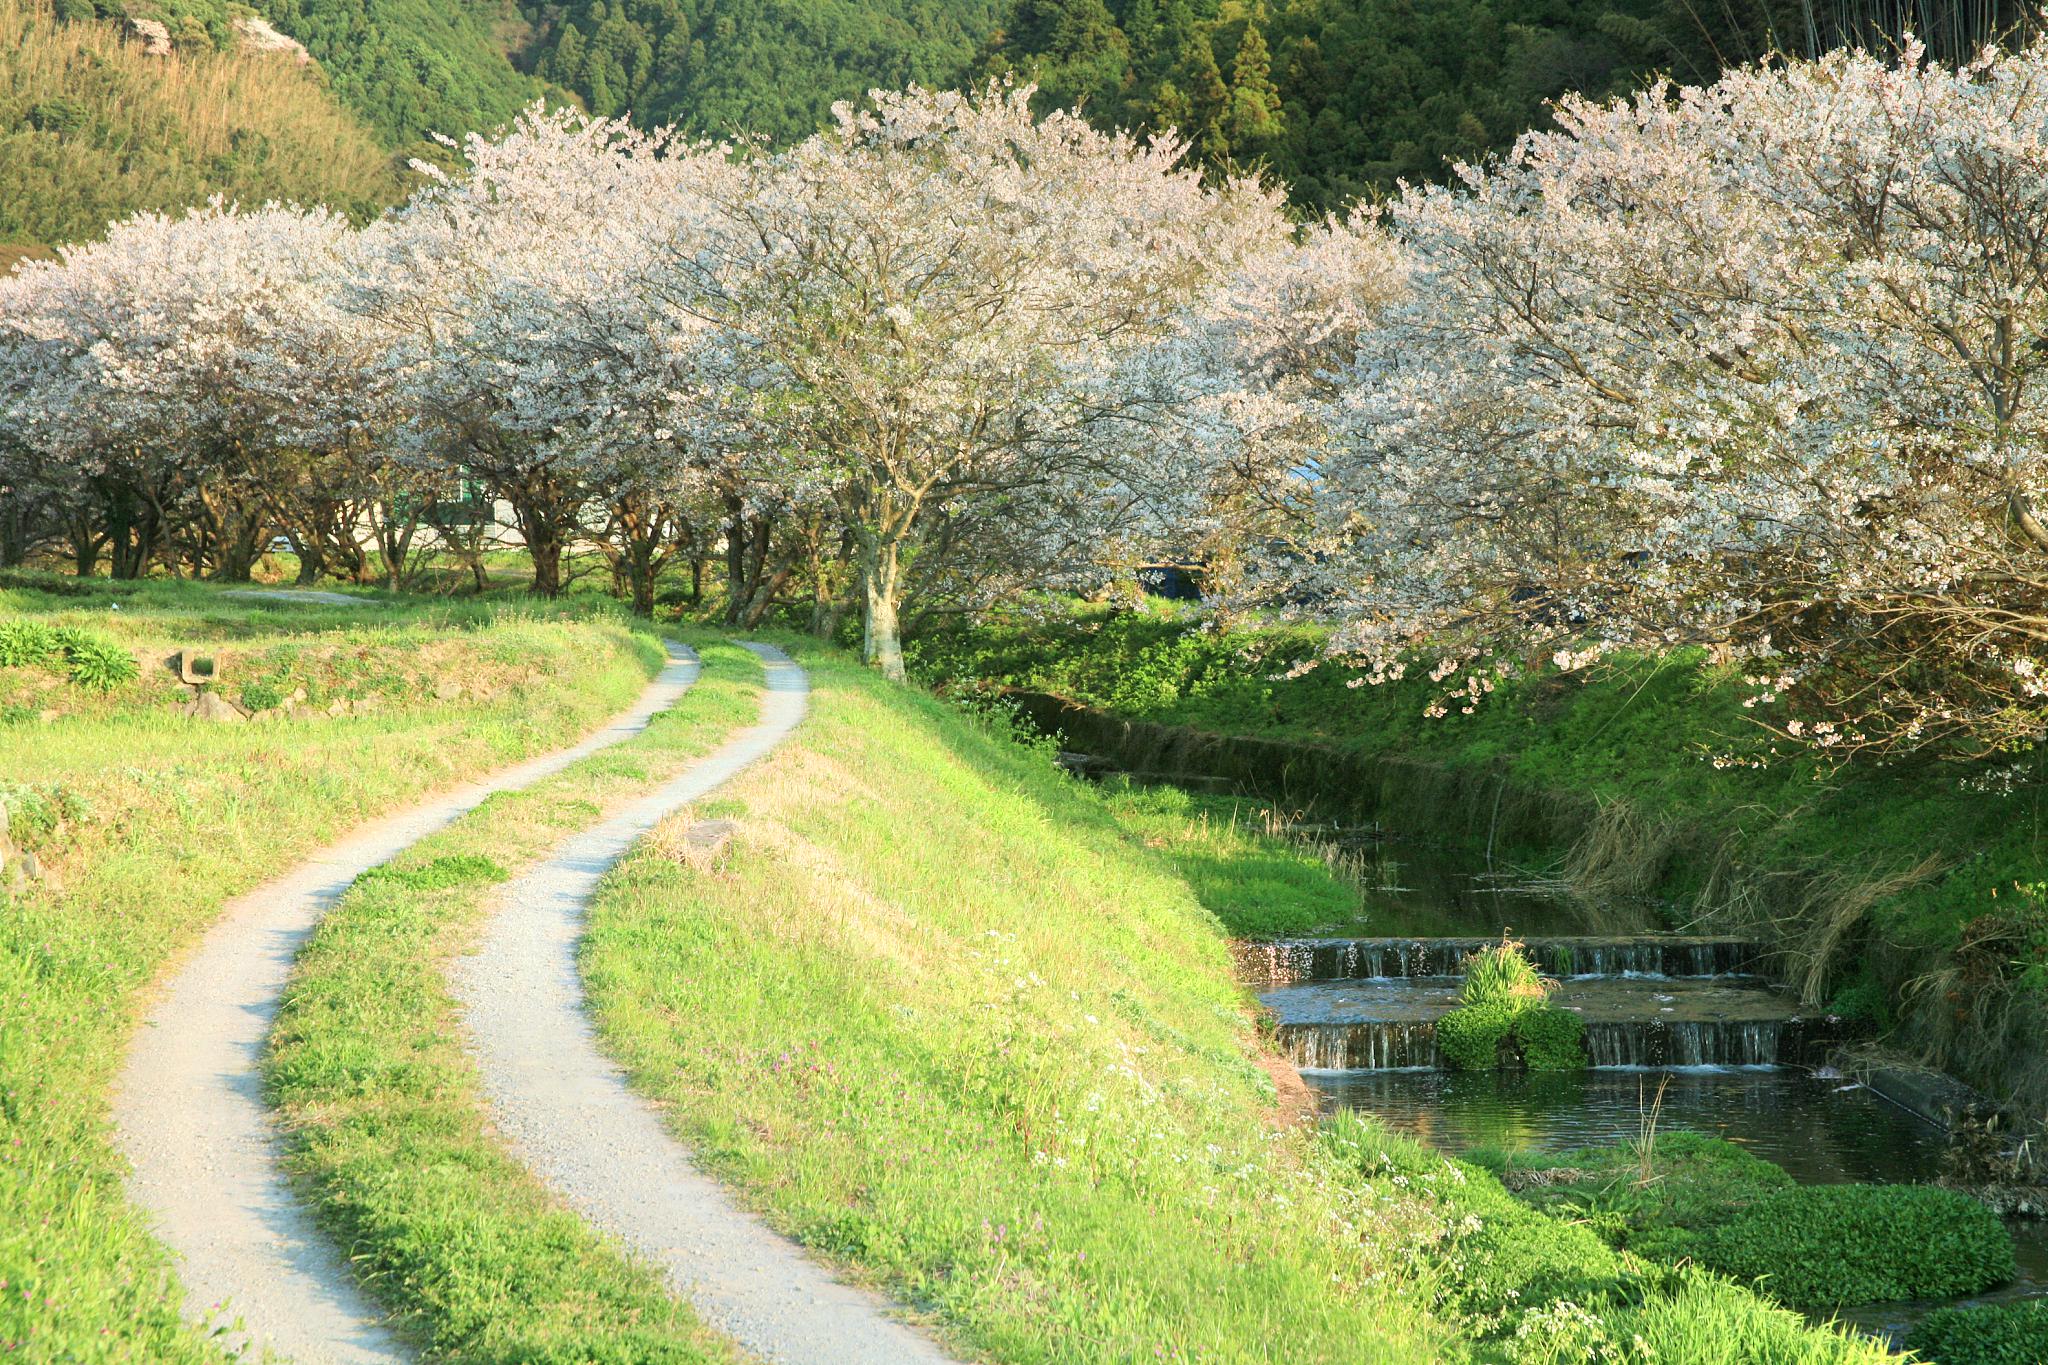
1506,1019
25,644
1551,1039
1988,1334
95,661
1472,1037
1829,1246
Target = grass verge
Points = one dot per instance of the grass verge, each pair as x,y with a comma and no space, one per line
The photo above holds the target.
388,1132
941,1014
149,822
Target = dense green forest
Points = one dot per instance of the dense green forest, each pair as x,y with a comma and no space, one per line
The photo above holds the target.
767,66
415,67
1339,98
1344,97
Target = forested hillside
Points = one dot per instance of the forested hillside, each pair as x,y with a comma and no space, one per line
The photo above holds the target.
415,67
91,127
1338,98
768,66
1342,97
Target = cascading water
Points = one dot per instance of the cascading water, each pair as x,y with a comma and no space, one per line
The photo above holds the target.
1388,1021
1285,962
1372,1045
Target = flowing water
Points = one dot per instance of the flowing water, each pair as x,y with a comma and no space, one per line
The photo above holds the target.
1358,1015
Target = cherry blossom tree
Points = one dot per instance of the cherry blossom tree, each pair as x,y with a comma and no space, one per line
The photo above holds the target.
521,342
918,295
1748,365
162,368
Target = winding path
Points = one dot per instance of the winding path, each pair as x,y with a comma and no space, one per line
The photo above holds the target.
189,1111
566,1109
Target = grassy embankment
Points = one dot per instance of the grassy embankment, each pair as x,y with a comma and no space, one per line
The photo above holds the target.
150,821
389,1134
1909,895
958,1022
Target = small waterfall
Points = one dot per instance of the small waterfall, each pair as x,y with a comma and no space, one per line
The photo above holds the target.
1285,962
1367,1045
1663,1042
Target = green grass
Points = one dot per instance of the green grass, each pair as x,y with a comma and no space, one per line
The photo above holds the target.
964,1026
1549,1290
1257,884
150,823
387,1129
1822,1246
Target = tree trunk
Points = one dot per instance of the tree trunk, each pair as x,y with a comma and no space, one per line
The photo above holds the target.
881,641
546,551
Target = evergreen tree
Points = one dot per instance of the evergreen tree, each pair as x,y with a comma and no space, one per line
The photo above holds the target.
1073,49
1208,99
1252,120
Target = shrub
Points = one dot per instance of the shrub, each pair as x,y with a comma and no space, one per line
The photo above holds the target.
1551,1039
1506,1019
25,644
95,661
1834,1245
1987,1334
1472,1037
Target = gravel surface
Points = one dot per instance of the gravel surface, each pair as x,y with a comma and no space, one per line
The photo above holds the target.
189,1112
332,599
567,1111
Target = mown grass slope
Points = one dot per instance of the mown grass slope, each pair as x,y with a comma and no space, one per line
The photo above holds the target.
149,821
959,1023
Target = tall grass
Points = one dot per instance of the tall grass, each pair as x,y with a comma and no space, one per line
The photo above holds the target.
91,129
1503,975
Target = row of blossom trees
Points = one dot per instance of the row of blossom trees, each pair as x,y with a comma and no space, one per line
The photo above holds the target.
1751,366
1755,366
931,351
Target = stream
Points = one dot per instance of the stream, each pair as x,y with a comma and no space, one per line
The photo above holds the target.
1737,1055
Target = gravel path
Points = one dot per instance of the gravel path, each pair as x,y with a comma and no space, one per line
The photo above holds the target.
330,599
189,1112
567,1111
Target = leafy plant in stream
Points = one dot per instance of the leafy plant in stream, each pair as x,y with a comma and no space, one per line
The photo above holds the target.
1696,1183
1984,1334
1824,1246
